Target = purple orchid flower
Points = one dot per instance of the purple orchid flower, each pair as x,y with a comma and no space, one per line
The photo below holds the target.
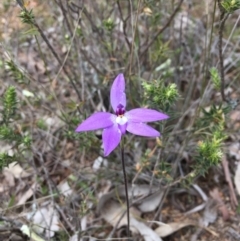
116,125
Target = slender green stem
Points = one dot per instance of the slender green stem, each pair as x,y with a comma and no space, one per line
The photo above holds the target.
126,189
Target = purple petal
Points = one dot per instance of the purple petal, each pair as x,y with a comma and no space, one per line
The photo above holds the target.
144,115
111,137
142,129
117,95
122,128
97,121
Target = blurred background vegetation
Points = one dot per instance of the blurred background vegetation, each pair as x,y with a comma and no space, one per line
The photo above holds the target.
58,60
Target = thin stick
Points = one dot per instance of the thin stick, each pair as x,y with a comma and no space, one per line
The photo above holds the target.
162,29
223,19
133,37
126,189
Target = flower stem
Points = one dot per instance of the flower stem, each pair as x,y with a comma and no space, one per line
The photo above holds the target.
126,188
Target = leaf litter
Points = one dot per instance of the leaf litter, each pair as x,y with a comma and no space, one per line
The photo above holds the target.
47,219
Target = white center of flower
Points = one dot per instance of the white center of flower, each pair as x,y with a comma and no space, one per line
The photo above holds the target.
121,119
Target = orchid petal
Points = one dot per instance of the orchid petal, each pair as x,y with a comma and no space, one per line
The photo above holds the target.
117,95
97,121
111,137
144,115
141,129
122,128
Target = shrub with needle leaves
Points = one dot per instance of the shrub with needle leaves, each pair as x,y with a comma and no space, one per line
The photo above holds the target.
15,72
9,104
212,136
27,16
8,133
230,5
215,78
160,95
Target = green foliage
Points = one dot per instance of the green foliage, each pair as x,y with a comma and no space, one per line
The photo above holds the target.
209,152
26,141
62,235
160,51
6,5
164,172
44,189
108,24
5,159
11,201
79,32
9,104
211,129
67,37
214,118
31,31
147,163
9,109
160,95
166,69
13,69
230,5
8,132
210,149
188,180
215,78
41,124
87,139
27,16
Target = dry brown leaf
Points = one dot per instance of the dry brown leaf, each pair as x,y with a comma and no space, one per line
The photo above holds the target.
9,177
52,121
151,202
27,231
221,206
210,213
136,191
114,212
98,162
234,150
64,188
27,194
76,238
147,233
147,201
147,11
167,229
45,219
209,216
235,119
16,170
234,233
